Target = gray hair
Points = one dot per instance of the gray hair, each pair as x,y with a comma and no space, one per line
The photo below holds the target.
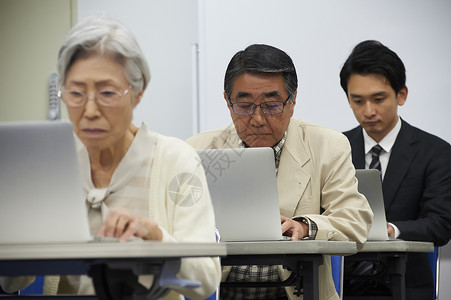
104,35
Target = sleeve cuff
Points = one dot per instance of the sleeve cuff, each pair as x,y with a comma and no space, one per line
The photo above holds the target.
397,231
312,227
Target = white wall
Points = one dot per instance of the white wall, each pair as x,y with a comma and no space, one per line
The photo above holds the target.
319,35
165,31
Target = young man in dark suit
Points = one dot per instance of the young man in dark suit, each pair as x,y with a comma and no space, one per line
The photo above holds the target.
415,165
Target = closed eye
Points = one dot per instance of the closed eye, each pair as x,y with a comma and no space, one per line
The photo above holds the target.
107,93
244,104
76,94
274,104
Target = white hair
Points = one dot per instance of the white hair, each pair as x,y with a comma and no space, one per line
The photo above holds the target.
104,35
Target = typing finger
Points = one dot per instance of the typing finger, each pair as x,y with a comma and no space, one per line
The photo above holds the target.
134,226
286,225
108,226
121,225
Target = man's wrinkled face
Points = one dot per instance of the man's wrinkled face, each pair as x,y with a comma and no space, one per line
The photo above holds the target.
260,129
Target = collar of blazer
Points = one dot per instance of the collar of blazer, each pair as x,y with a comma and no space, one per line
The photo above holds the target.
292,178
401,157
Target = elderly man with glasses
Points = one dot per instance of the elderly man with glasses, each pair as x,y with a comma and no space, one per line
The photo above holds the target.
318,194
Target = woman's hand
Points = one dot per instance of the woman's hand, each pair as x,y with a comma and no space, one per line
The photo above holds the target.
123,224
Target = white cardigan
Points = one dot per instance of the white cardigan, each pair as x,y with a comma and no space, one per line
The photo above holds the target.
183,211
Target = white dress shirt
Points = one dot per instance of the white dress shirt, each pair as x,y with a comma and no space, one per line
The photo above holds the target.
386,144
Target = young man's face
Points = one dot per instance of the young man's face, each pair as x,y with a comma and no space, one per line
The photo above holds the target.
374,103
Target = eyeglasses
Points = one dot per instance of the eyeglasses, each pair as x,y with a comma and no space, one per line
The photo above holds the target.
268,108
109,98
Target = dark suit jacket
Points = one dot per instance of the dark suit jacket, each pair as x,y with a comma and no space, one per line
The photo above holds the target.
417,191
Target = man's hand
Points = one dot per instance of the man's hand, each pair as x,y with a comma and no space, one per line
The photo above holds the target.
296,230
391,231
123,224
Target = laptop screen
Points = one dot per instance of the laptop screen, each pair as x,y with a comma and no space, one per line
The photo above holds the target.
370,186
41,195
243,188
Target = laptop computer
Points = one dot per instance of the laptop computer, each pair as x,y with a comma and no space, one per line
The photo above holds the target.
370,186
41,197
243,189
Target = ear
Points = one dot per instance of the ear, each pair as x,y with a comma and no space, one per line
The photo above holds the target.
294,97
347,98
227,101
137,99
232,114
225,98
293,104
402,96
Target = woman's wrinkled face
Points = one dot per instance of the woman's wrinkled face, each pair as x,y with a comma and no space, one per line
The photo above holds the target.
97,125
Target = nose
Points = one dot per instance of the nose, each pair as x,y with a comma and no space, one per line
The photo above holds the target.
258,117
91,107
369,110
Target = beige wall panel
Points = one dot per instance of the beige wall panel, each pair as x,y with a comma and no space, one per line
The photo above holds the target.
31,32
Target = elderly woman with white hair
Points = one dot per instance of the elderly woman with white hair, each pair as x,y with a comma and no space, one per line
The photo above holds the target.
127,171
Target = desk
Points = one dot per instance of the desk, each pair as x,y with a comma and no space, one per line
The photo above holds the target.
105,262
301,257
394,254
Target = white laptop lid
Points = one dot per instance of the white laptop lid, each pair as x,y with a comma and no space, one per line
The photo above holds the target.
41,197
370,186
243,188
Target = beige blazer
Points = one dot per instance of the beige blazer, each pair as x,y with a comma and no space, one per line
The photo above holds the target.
316,178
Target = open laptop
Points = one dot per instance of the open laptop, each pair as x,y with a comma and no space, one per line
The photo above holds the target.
243,189
370,186
41,197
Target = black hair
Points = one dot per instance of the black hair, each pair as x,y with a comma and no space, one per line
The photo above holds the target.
260,58
372,57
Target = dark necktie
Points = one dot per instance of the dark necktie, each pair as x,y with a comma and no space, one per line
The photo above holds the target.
375,152
364,269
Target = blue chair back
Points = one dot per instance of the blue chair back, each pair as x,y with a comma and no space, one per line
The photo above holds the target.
335,262
36,288
433,257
